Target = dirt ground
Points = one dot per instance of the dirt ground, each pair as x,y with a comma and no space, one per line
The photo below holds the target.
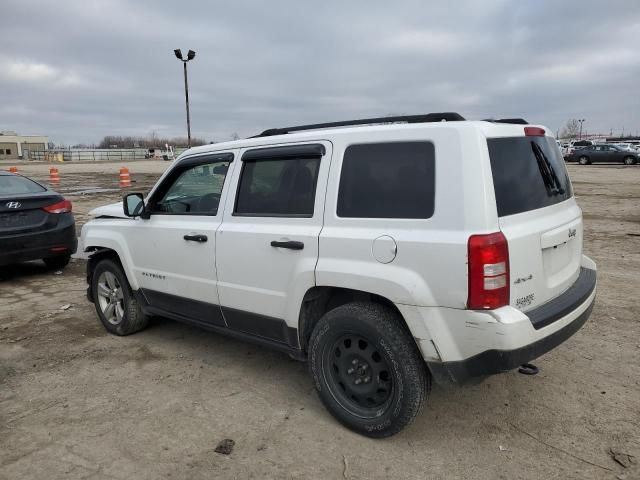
76,402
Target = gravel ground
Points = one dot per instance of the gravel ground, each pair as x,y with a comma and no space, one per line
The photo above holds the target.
76,402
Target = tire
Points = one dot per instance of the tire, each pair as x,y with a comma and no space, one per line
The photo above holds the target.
126,316
353,340
56,263
584,160
629,161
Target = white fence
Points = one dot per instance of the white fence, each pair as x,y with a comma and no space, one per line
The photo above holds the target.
94,155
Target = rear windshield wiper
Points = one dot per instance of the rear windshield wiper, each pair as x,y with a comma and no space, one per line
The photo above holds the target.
549,176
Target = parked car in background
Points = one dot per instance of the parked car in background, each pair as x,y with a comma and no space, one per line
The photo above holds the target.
158,153
625,146
575,145
35,223
360,247
603,154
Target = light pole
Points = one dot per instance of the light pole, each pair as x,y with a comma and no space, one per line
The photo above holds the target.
581,122
190,56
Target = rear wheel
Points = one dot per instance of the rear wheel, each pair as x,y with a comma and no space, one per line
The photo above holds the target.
629,161
56,263
113,298
367,369
584,160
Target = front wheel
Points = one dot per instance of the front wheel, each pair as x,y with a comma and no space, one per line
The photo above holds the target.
116,306
629,161
583,160
367,369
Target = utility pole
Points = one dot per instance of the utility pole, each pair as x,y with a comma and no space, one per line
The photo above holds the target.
190,56
581,122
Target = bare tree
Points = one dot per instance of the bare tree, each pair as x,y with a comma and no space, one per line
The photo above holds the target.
571,129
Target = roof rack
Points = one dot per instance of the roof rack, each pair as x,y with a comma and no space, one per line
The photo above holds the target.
517,121
427,118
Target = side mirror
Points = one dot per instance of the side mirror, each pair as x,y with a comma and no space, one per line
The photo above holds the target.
133,205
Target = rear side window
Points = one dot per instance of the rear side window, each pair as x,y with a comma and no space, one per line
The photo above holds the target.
528,173
15,185
388,180
278,187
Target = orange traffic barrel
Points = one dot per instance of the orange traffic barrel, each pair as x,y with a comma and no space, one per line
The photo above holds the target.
13,169
54,176
125,178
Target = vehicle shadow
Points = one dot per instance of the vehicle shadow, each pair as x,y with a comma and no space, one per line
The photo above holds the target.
29,270
472,408
23,270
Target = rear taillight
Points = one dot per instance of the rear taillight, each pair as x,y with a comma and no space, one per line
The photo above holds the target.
61,207
488,272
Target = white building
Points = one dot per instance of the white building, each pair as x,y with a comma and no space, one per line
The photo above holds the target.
14,146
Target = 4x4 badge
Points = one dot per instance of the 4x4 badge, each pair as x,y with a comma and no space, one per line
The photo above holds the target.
13,204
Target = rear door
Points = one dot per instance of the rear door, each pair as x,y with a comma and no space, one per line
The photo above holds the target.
539,217
267,245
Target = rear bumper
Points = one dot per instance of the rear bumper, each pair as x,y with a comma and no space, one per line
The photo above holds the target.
501,340
491,362
38,245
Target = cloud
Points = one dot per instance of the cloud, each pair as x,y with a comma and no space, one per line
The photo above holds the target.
80,70
40,73
424,42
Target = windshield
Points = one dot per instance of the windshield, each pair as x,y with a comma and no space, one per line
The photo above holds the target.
528,173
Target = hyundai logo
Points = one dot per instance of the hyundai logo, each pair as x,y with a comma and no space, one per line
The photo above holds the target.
13,204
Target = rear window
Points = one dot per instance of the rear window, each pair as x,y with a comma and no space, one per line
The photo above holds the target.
16,185
528,173
388,180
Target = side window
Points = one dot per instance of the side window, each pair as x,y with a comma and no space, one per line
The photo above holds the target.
278,187
194,190
388,180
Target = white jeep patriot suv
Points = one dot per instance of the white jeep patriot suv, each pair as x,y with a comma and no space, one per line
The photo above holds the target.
387,252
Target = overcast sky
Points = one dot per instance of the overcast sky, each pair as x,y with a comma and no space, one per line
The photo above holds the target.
79,70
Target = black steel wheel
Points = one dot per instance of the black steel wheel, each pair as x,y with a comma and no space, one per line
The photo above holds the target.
367,368
358,375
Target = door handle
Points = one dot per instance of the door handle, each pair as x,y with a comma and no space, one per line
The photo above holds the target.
196,237
291,244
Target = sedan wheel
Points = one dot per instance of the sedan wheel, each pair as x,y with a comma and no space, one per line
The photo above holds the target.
629,161
583,161
110,298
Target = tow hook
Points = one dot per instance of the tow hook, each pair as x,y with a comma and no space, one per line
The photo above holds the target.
528,369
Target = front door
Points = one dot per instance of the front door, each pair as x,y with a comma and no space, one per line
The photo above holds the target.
174,249
267,246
